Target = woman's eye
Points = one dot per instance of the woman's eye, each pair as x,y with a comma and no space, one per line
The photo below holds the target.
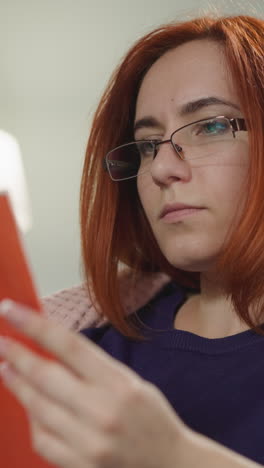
212,128
145,148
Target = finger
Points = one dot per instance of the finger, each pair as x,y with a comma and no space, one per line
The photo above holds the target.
74,350
49,423
49,377
92,404
53,449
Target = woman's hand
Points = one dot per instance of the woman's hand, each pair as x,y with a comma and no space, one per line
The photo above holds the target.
88,410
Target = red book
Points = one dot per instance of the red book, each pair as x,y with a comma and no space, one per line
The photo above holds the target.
17,284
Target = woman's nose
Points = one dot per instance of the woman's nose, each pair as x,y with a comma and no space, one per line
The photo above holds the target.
167,166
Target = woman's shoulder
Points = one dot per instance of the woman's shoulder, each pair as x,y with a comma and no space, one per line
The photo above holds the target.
73,306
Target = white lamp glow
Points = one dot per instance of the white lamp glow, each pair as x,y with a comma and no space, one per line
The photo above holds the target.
12,180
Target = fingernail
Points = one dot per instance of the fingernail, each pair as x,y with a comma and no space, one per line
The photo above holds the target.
5,371
13,312
5,306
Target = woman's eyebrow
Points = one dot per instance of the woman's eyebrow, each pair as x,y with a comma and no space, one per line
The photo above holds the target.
186,109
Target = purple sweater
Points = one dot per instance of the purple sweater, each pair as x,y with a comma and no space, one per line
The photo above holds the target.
215,385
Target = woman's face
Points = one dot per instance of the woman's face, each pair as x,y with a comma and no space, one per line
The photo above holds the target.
188,73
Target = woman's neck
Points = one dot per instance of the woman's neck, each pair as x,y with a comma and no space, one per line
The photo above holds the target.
208,316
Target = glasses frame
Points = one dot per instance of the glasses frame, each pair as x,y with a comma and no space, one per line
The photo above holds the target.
236,125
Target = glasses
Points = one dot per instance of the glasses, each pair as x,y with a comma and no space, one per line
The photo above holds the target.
198,139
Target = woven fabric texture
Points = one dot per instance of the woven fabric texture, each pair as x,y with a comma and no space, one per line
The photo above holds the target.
73,307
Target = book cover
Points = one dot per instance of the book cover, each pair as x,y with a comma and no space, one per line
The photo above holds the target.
16,283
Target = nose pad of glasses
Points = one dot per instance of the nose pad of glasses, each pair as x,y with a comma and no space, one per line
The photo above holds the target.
178,150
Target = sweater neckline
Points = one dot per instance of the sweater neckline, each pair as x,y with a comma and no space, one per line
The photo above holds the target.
159,319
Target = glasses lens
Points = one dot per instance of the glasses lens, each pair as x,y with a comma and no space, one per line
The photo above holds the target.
204,138
210,137
127,161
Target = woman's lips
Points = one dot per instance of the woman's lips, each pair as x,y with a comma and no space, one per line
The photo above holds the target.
176,215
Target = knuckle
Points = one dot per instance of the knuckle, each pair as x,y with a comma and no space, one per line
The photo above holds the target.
41,371
40,441
101,453
134,391
25,396
72,345
37,329
110,424
34,405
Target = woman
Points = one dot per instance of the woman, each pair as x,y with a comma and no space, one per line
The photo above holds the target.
172,184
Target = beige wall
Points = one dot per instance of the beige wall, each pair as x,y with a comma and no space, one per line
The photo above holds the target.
56,57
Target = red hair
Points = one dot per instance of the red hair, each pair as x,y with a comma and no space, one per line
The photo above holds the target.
114,228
